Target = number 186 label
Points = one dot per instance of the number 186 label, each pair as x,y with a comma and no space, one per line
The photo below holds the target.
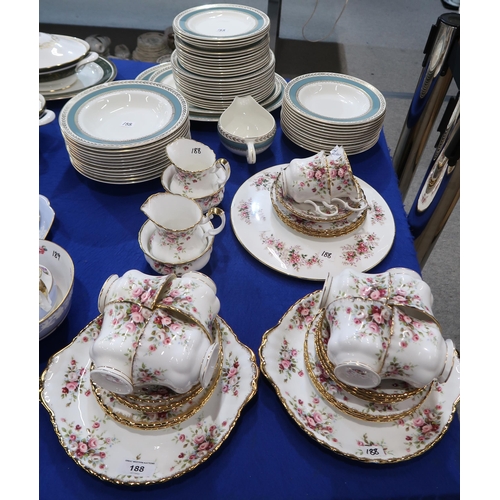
138,468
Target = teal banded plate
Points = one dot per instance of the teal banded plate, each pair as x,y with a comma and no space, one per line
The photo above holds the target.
148,73
221,22
123,114
335,98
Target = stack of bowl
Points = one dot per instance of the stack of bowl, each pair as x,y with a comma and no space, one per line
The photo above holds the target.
59,59
117,132
319,195
56,280
175,352
222,51
321,110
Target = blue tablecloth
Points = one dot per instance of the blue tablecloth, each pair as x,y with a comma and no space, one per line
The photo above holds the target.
266,455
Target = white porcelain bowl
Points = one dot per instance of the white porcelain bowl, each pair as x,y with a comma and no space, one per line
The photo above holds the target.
59,59
61,266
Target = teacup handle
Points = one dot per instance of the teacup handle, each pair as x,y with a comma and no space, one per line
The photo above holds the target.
222,167
47,117
215,211
90,58
251,155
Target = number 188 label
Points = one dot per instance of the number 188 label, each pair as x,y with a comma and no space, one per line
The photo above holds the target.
138,468
373,451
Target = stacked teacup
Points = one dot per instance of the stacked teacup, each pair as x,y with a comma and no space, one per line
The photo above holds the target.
157,357
196,173
375,350
319,195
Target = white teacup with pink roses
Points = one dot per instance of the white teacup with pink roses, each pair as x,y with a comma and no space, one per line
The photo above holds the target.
382,327
143,343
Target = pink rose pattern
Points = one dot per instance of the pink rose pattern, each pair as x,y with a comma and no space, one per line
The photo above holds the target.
314,176
204,437
176,243
127,320
188,180
316,418
291,255
287,361
377,215
304,313
143,292
88,445
244,211
423,427
231,376
362,248
265,181
182,297
92,332
72,382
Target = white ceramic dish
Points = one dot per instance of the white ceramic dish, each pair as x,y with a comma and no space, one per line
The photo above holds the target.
335,98
282,362
56,51
95,73
225,23
60,264
46,216
179,267
137,113
273,243
110,450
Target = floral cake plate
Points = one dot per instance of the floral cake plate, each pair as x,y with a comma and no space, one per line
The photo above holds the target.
272,242
114,452
282,361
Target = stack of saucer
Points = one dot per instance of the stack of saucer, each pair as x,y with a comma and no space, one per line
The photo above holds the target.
321,110
150,46
123,141
222,51
315,218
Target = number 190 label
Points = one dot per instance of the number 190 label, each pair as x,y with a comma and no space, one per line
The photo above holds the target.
138,468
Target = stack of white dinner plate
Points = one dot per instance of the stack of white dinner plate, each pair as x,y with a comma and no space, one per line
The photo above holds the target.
322,110
117,132
222,51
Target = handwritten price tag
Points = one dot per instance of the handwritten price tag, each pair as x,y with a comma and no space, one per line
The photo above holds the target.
138,468
373,451
127,124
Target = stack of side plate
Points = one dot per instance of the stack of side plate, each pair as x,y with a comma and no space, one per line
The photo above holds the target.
163,73
222,51
117,132
322,110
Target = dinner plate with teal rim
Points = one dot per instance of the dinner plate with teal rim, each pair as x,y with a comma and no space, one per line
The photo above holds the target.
164,75
221,22
147,74
335,98
136,113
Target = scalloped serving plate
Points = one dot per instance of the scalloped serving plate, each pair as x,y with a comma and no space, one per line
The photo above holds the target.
110,450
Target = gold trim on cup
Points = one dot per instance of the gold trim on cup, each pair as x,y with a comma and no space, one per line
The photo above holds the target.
371,395
330,398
